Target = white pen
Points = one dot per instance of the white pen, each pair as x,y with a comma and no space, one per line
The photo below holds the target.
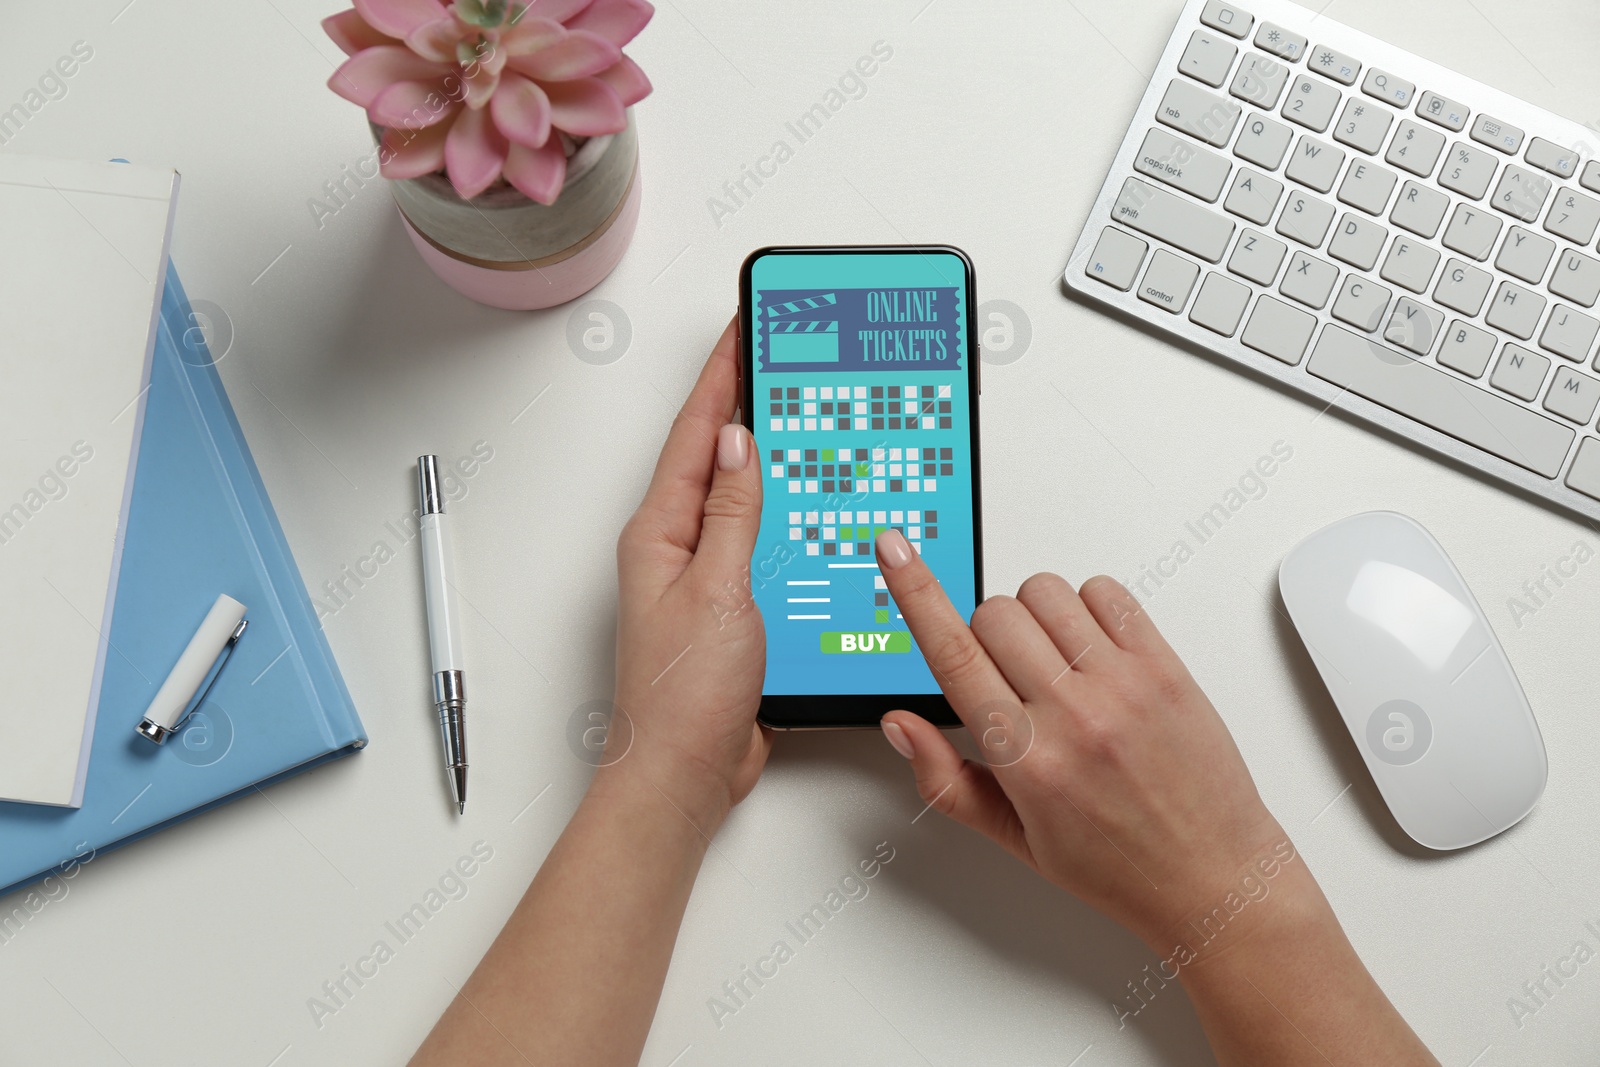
444,628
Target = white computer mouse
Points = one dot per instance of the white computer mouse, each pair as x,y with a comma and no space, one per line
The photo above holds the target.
1419,678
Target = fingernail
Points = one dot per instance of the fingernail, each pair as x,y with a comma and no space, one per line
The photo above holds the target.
733,448
899,739
894,551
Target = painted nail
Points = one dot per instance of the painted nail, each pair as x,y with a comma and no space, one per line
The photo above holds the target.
898,738
733,448
894,551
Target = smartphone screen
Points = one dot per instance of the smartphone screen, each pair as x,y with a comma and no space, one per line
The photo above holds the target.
860,390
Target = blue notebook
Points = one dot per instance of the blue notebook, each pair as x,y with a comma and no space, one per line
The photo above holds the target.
199,524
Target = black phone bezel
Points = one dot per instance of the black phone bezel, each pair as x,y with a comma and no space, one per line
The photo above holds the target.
863,710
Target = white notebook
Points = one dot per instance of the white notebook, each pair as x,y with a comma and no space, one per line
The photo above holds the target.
83,256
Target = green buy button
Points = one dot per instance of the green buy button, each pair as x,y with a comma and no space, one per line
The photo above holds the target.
869,641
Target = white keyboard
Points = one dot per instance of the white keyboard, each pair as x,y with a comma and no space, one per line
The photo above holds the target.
1369,228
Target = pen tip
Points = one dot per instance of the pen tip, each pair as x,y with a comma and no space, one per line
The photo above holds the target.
463,809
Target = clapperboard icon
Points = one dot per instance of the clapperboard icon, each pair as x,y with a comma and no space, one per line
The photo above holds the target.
793,340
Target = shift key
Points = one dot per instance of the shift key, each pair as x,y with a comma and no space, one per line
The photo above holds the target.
1169,218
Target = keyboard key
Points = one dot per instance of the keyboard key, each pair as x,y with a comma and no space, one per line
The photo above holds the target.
1280,42
1434,398
1311,103
1519,372
1525,255
1415,148
1363,126
1333,64
1471,232
1305,219
1361,302
1585,473
1367,187
1279,330
1442,110
1220,305
1577,278
1358,242
1233,21
1467,348
1166,217
1309,280
1386,87
1116,258
1516,311
1468,171
1315,163
1263,142
1521,193
1182,165
1410,264
1547,155
1463,287
1413,326
1189,108
1569,334
1207,59
1257,257
1591,176
1572,396
1496,134
1419,209
1168,282
1573,216
1253,196
1259,80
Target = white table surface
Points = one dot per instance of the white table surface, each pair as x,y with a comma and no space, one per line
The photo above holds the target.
990,128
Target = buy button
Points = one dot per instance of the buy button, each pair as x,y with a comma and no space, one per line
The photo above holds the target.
874,641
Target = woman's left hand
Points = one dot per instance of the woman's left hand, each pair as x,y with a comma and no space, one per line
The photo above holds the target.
691,649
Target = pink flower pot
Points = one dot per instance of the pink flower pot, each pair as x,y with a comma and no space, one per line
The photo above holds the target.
502,249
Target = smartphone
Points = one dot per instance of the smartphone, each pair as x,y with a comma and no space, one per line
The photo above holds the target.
860,384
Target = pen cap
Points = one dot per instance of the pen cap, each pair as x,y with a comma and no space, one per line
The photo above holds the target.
189,673
429,495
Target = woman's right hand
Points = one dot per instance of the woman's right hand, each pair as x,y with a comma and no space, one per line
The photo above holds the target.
1110,773
1107,769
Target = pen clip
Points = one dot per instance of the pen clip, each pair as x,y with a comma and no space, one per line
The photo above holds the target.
212,675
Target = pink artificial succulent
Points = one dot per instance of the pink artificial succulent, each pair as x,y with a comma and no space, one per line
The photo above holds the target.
489,89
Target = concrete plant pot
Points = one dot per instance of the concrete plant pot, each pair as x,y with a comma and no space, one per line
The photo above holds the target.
507,251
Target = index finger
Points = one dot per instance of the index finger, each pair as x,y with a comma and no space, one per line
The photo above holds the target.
682,478
958,659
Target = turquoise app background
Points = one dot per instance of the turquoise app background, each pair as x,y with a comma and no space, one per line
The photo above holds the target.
862,420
